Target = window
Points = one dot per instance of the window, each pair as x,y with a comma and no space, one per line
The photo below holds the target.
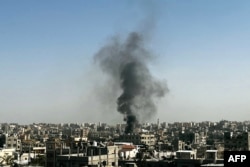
50,146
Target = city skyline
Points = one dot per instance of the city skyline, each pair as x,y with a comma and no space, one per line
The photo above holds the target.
48,72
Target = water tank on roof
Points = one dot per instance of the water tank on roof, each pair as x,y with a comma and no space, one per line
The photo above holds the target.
94,143
121,154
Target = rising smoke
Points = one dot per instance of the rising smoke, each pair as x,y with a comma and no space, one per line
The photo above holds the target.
126,61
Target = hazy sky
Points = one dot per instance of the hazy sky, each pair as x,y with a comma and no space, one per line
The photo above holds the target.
48,74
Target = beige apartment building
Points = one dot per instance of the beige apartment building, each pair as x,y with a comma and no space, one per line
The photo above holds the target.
137,139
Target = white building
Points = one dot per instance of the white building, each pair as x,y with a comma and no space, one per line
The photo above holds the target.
128,151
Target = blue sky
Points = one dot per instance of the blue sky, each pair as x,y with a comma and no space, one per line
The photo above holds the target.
48,73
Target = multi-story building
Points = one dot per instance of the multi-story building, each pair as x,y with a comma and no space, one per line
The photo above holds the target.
95,156
178,145
84,132
52,147
60,155
188,158
147,139
13,142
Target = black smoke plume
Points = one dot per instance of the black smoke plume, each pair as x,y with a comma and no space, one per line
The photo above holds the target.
126,62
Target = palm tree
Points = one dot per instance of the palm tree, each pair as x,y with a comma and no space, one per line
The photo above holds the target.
7,160
2,161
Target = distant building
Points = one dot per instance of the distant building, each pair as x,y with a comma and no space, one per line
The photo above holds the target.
211,154
186,154
13,142
95,156
76,153
178,145
99,135
52,148
137,139
187,158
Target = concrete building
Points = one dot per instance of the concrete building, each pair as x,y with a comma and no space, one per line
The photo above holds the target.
211,155
137,139
13,142
52,149
59,153
96,156
187,158
185,154
178,145
128,151
148,139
